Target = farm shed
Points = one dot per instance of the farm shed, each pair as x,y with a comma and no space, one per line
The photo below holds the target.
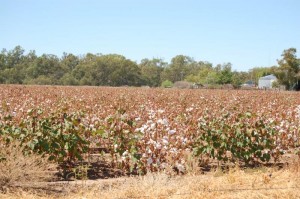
266,81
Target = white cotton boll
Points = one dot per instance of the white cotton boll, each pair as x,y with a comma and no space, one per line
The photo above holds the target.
171,132
278,147
158,146
149,151
125,153
160,111
173,150
282,151
142,130
149,122
184,141
115,146
281,124
266,151
149,161
295,138
144,155
159,121
163,165
180,167
281,131
298,111
165,122
151,141
165,141
189,109
152,126
137,119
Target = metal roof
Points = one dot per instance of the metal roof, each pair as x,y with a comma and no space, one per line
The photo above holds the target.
268,77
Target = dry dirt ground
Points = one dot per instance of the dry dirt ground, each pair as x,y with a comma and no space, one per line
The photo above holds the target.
262,182
271,181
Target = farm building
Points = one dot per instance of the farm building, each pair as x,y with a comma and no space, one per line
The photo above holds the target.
266,81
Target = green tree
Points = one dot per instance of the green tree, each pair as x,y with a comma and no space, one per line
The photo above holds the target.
82,72
47,66
3,59
69,62
225,74
151,71
125,72
179,68
201,73
14,57
288,70
238,78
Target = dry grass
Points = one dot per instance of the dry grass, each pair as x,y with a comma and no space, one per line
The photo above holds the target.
17,169
261,183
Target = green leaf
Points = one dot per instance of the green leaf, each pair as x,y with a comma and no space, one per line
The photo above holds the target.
216,144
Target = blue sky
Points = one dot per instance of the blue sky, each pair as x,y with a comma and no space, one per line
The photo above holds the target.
247,33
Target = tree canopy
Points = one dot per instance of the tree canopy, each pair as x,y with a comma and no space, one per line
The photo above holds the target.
17,67
288,72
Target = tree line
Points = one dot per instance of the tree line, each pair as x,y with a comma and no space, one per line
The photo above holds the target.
18,67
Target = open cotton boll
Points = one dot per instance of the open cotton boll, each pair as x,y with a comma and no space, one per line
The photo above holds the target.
149,161
165,141
180,167
137,119
125,153
171,132
158,145
152,126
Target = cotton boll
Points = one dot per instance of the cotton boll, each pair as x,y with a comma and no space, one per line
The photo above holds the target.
165,141
161,111
158,145
144,155
171,132
151,142
152,126
165,122
149,151
137,119
180,167
149,161
160,121
125,153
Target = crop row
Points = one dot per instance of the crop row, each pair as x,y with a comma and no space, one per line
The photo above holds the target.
151,129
